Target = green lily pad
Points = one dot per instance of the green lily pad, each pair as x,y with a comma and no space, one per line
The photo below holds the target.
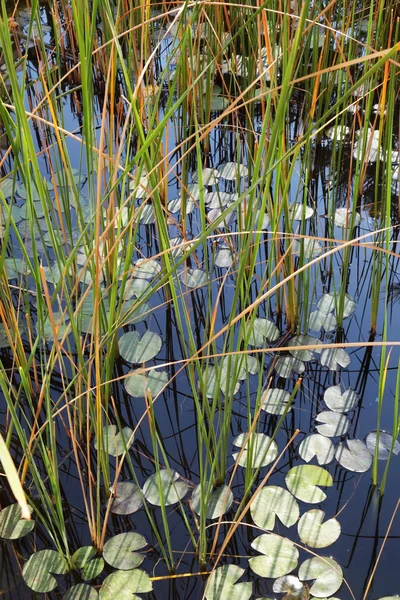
194,278
120,551
334,358
218,502
327,574
309,246
224,258
146,268
338,402
81,591
303,482
172,488
356,457
83,555
136,349
92,569
319,446
329,301
289,366
319,320
208,176
314,532
124,585
333,424
222,584
4,341
259,446
61,323
114,442
275,401
128,499
12,525
139,384
263,329
303,340
280,556
38,571
271,502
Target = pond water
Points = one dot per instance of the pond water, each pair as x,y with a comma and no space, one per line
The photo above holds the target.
323,178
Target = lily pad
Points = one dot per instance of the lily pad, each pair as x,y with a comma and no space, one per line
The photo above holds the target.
356,457
217,503
139,384
327,574
314,532
309,246
136,349
128,498
222,584
334,358
12,525
124,585
81,591
329,301
172,489
332,424
343,218
271,502
319,446
280,556
303,482
384,441
319,320
224,258
304,340
289,366
298,211
290,585
121,551
145,268
339,402
232,171
114,442
194,278
263,329
263,450
275,401
39,570
209,176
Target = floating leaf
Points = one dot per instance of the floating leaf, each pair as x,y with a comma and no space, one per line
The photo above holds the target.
122,584
12,525
81,591
263,450
121,551
175,206
275,401
298,211
145,268
139,384
280,556
343,218
172,490
128,498
384,444
314,532
333,424
290,585
327,574
4,341
319,446
232,171
289,366
271,502
303,340
60,321
263,329
83,555
309,246
115,443
356,457
219,199
224,258
194,278
222,584
37,572
303,482
218,502
328,303
208,176
339,402
319,320
136,349
334,358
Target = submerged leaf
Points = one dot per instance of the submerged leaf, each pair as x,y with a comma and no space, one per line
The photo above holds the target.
120,551
218,502
339,402
280,556
314,532
333,424
38,571
327,574
12,525
259,447
271,502
356,457
303,482
164,488
319,446
222,584
124,585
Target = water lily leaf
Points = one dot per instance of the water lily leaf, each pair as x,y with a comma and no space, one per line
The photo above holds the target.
194,278
83,555
218,102
81,591
280,556
60,326
303,482
92,569
272,502
136,349
263,329
145,268
339,402
139,384
124,585
319,320
121,550
175,206
319,446
384,442
38,571
7,186
298,211
314,532
327,303
12,525
275,401
289,366
333,424
218,502
310,247
334,358
208,176
114,442
172,490
259,447
4,341
343,218
356,457
128,498
290,585
219,199
224,258
222,584
327,574
232,171
225,381
303,340
14,267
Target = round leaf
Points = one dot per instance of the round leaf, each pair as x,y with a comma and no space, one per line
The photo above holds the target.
260,449
334,358
172,490
274,401
92,569
327,574
218,503
136,349
384,441
356,457
82,591
222,584
280,556
139,384
290,585
114,442
37,572
120,550
12,526
339,402
314,532
128,498
319,446
303,482
332,424
271,502
122,584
